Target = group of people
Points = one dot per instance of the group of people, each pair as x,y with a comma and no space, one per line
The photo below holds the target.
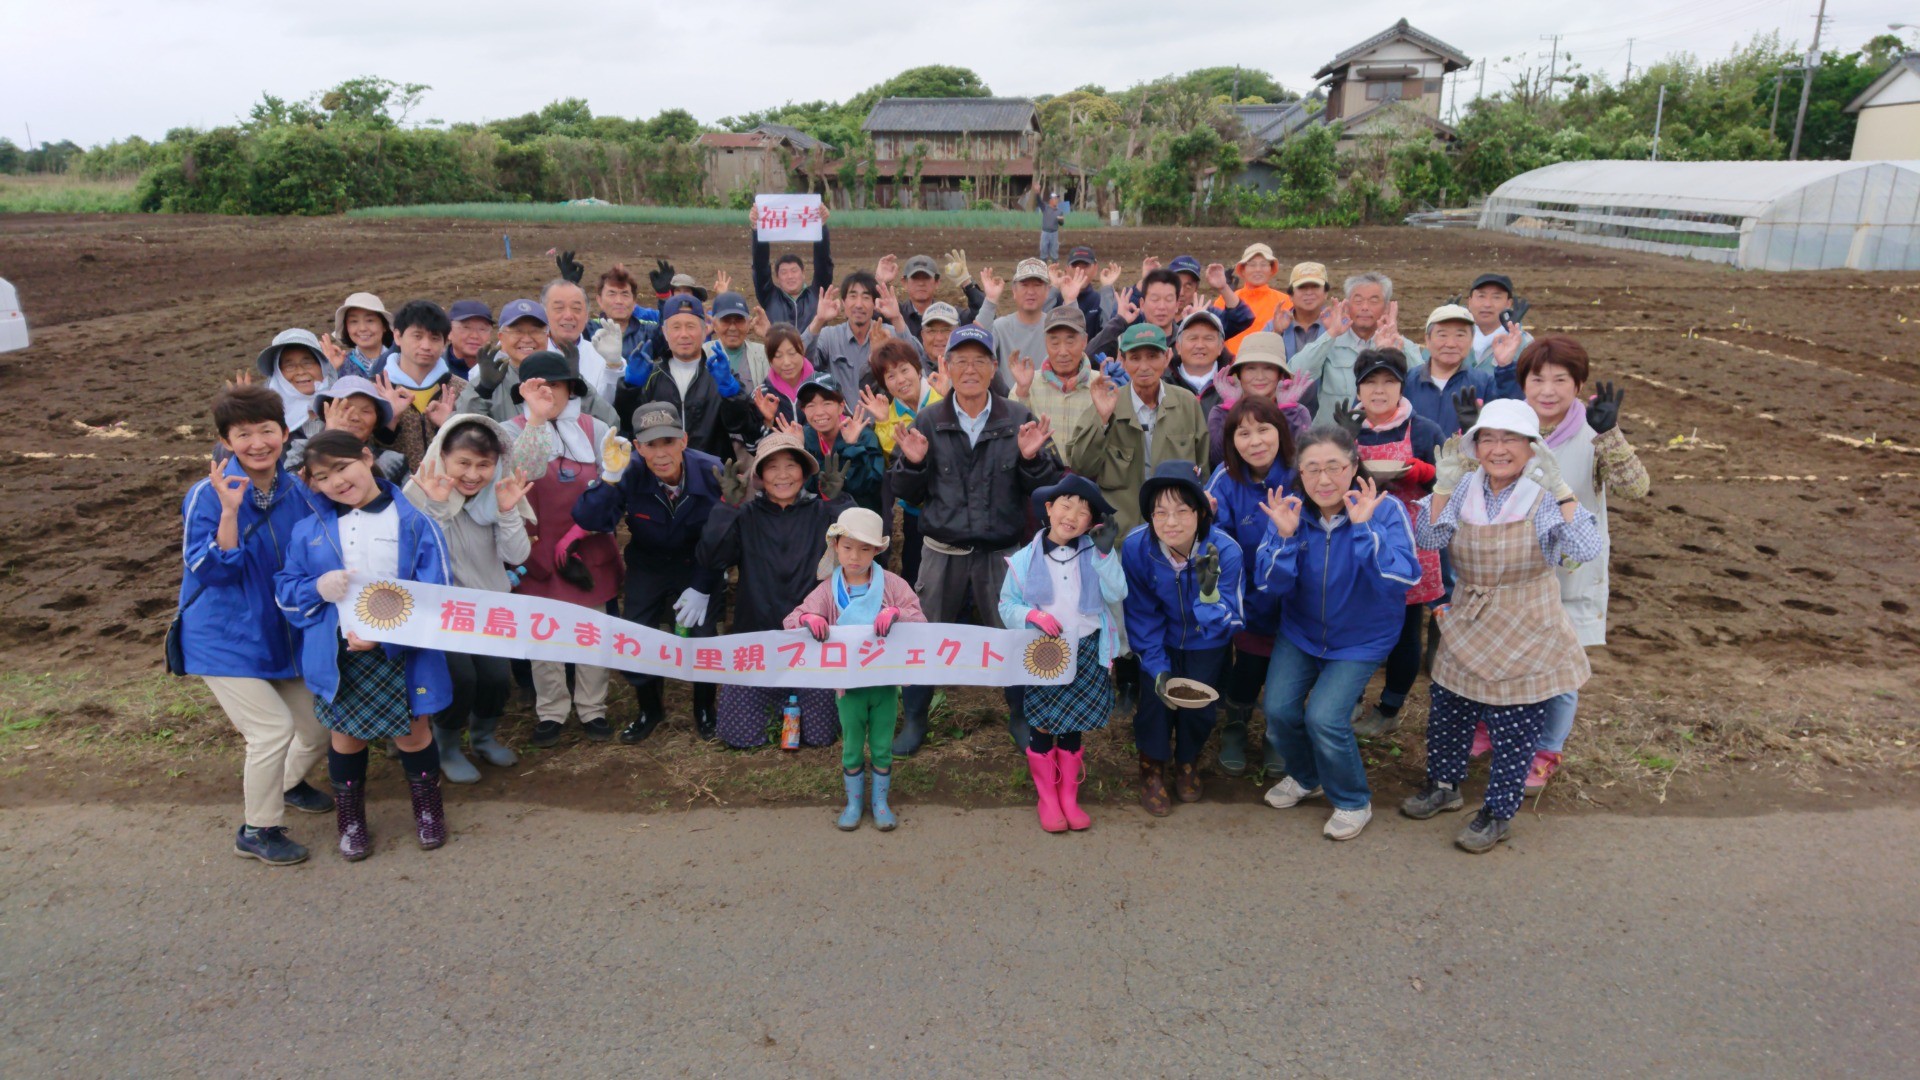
1233,496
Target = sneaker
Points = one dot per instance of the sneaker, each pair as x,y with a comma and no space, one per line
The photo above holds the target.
1346,824
1545,764
1434,798
1482,742
1288,792
269,845
597,729
307,799
1483,833
1375,722
546,733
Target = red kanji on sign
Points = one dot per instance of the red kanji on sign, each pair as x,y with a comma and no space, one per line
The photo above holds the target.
553,627
988,656
586,634
500,623
457,615
949,650
707,660
871,650
625,646
799,657
833,654
750,658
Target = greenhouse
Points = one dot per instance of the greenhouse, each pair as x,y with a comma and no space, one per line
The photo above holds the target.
1756,215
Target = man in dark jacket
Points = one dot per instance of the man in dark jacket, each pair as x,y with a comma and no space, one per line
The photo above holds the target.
714,408
665,505
970,461
782,287
922,280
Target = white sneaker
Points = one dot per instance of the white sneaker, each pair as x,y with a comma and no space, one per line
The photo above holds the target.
1288,792
1346,824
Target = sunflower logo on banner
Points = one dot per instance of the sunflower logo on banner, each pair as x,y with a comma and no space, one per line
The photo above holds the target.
384,605
1047,657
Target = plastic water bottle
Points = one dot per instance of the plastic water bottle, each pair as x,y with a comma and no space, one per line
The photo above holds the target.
682,631
790,723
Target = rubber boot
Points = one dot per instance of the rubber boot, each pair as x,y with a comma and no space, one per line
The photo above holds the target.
1233,739
1017,719
1272,763
491,750
706,718
883,818
429,815
350,813
1046,782
856,792
1072,770
914,704
453,764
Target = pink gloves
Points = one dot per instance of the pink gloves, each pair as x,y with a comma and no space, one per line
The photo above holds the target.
883,622
1043,622
815,625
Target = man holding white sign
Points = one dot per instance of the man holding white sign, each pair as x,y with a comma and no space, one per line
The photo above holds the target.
782,287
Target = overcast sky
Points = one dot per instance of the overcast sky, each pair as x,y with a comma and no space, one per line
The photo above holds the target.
95,70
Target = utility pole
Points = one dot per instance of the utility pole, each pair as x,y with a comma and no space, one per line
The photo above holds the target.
1629,75
1453,110
1553,59
1659,113
1482,92
1773,125
1806,81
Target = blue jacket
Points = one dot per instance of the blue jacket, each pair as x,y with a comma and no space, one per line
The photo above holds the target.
315,551
1343,591
1239,513
655,533
234,629
1506,383
640,338
1436,403
1163,606
1113,589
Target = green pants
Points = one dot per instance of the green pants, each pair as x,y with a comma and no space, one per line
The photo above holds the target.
867,719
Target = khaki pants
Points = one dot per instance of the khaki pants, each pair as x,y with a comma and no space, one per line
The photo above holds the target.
551,700
284,740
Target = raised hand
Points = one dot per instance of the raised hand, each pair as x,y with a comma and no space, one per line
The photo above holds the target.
852,426
956,267
1506,345
398,396
941,381
661,277
1350,416
1104,533
1281,322
1124,308
1387,334
1105,393
1109,275
790,428
1074,282
759,325
1056,277
722,282
829,305
1216,277
231,490
437,485
721,370
1283,510
1335,319
888,302
1116,372
440,409
1466,406
570,268
875,405
832,479
736,483
539,396
1148,265
991,285
241,377
1544,470
1206,570
1022,369
336,352
1603,411
1360,503
1033,436
616,454
768,405
1450,466
510,489
887,270
913,445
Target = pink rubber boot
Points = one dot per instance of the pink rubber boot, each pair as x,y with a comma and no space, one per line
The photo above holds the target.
1482,742
1071,766
1045,771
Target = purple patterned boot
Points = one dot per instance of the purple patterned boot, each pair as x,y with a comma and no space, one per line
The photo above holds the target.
350,811
429,816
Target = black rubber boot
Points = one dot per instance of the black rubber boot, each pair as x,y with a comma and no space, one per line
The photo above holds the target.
706,717
914,704
1017,718
1233,740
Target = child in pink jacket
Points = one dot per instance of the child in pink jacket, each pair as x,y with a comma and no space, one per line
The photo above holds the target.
856,592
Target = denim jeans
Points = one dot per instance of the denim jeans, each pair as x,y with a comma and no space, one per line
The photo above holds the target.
1310,721
1560,712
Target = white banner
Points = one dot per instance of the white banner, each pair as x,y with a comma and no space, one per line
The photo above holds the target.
779,218
528,627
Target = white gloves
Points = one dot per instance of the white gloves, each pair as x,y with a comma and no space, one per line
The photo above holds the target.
1544,470
1450,466
691,609
333,586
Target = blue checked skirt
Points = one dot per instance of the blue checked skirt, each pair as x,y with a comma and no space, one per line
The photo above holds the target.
1081,705
371,702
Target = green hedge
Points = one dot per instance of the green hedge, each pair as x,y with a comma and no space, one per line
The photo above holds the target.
687,215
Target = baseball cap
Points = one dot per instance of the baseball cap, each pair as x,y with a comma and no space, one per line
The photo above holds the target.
1205,315
1186,264
1449,313
1067,315
1308,273
730,304
822,383
1142,336
1030,269
515,310
681,305
657,420
971,334
1261,250
1501,280
921,264
1377,360
1081,254
941,312
469,309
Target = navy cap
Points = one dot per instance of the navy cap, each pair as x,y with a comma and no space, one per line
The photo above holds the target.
822,383
971,334
1373,361
1501,280
1071,484
681,305
469,309
1186,264
1181,474
1081,254
515,310
730,303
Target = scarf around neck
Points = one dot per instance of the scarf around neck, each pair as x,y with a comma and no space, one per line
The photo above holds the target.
1570,426
864,608
1037,584
1399,417
398,373
298,406
563,437
790,391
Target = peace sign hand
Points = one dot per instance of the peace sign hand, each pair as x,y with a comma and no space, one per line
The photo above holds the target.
1360,503
1603,413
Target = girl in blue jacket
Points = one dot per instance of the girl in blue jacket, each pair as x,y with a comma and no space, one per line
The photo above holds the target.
1257,445
1182,608
239,523
362,691
1339,554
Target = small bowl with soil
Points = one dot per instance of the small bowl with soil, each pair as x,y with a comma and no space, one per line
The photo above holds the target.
1385,471
1191,693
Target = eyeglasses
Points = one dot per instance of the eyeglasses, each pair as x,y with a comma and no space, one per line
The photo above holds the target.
1176,513
969,360
1315,472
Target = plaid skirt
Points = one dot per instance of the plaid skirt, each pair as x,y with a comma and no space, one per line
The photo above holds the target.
371,702
1081,705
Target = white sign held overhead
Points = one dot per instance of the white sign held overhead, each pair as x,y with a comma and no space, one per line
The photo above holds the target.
778,218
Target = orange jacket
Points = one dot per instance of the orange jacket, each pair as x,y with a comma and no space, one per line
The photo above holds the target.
1266,302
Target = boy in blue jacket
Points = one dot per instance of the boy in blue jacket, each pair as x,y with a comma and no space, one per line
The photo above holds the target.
361,530
665,504
239,523
1182,609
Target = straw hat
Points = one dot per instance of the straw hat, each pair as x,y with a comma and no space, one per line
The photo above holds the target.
778,442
